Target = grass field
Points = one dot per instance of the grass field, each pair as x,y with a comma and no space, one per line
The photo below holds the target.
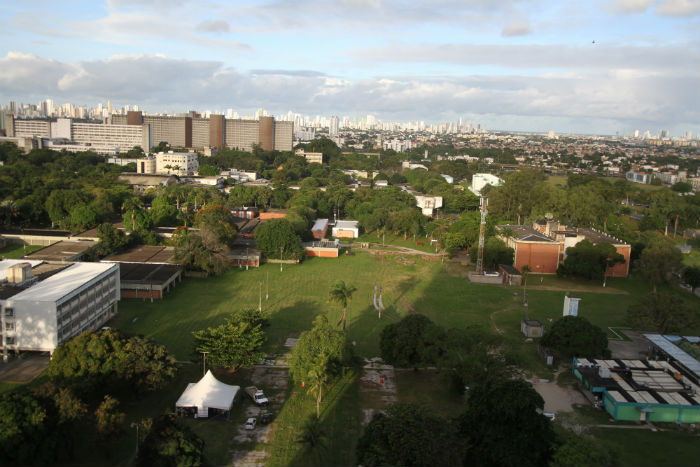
297,294
13,251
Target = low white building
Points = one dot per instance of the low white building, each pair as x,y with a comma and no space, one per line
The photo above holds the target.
428,203
346,229
178,163
38,313
480,181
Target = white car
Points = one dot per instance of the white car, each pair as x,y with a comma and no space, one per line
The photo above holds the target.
250,423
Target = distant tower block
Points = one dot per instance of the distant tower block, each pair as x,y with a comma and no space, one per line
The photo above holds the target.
571,305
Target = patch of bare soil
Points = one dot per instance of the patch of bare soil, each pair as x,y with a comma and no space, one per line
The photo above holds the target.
249,458
558,398
377,388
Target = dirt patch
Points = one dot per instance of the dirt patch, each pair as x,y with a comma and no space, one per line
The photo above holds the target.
579,288
377,389
249,458
493,322
558,398
270,377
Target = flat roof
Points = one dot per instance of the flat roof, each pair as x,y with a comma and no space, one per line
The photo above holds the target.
675,352
346,224
8,263
144,254
61,284
147,273
61,251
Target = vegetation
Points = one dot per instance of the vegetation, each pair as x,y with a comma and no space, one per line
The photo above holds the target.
170,444
236,343
589,261
278,239
412,342
662,312
575,336
341,293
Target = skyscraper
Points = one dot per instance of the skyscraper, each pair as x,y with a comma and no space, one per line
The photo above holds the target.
333,128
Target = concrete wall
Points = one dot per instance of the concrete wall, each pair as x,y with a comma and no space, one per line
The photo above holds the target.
542,258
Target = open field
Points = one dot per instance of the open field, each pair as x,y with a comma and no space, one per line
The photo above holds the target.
296,295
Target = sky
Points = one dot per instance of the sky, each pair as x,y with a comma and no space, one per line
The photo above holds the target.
572,66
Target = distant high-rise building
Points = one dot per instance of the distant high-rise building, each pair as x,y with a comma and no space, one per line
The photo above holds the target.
333,128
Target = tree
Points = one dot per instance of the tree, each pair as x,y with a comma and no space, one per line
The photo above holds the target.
22,426
9,209
495,252
278,235
691,276
318,355
662,312
217,220
82,217
313,439
235,343
200,252
589,261
582,451
659,262
206,170
341,293
130,207
412,342
502,426
472,356
109,421
91,361
409,435
575,336
172,445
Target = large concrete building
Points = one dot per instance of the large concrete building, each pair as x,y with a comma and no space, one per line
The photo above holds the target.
41,309
215,131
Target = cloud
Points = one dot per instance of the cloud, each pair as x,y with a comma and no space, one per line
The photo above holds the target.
679,7
516,28
213,26
622,97
535,57
629,6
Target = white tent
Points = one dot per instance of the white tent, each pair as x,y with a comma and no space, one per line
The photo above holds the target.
208,393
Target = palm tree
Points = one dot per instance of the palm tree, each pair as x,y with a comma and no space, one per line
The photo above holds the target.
132,203
313,438
9,209
341,293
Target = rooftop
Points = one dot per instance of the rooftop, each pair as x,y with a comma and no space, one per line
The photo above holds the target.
346,224
320,224
61,284
61,251
525,233
144,254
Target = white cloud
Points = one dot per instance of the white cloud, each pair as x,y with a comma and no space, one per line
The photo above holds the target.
516,28
679,7
621,97
629,6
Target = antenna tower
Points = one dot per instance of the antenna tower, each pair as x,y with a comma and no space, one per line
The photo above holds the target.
484,202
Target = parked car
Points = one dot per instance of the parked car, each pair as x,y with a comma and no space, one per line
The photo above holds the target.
266,418
250,423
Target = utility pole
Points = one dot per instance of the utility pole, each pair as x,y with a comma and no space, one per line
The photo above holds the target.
280,259
260,298
204,362
267,285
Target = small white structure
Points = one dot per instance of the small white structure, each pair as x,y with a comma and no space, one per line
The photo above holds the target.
207,393
178,163
346,229
479,182
571,305
448,178
428,203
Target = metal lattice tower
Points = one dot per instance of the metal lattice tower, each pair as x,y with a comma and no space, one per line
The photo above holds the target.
483,201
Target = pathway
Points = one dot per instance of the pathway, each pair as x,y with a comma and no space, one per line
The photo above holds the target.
377,388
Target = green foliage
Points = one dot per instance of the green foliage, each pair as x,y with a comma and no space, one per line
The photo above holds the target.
659,262
236,343
589,261
691,276
326,146
276,235
495,252
137,220
662,312
82,217
206,170
91,361
319,354
682,187
472,356
22,426
108,420
219,221
582,451
170,444
409,435
414,341
575,336
502,425
201,252
314,439
341,293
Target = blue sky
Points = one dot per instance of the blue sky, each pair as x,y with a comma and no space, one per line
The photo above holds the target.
507,64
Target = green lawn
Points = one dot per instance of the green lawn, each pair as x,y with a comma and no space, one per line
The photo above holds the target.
670,447
14,251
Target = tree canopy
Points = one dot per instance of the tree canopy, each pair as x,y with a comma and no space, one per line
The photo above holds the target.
278,235
414,341
662,312
171,444
589,261
234,343
575,336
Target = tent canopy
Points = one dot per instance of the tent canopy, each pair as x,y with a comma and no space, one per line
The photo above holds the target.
208,392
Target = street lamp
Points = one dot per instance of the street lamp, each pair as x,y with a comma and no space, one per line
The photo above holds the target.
204,361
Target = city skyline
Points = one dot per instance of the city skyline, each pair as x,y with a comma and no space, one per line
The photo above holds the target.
603,68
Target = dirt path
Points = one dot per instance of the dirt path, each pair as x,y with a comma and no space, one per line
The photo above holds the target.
493,322
377,388
558,398
579,288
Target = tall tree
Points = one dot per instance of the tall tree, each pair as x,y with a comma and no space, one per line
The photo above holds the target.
313,439
662,312
171,444
412,342
318,355
524,437
235,343
659,262
341,293
575,336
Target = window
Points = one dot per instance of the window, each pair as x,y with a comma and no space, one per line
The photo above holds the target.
9,326
9,340
10,312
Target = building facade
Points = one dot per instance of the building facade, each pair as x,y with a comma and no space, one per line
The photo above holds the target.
178,163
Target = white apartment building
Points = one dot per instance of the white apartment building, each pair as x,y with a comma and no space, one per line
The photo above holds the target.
479,182
311,157
177,163
39,315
